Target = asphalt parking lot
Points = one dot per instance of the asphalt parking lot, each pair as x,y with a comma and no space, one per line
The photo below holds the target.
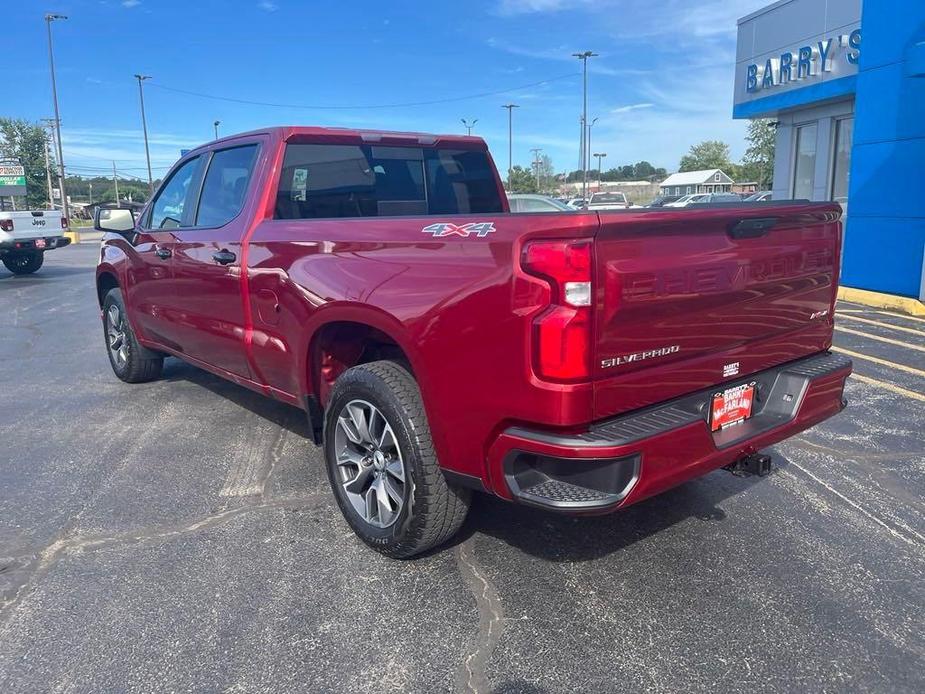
180,536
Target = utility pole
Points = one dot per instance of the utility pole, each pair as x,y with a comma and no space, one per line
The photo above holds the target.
90,201
115,182
215,125
49,18
585,149
510,141
599,155
469,125
536,166
51,199
144,127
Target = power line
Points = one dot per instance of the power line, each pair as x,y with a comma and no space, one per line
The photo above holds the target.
431,102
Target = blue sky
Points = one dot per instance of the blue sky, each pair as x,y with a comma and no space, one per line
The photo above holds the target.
662,82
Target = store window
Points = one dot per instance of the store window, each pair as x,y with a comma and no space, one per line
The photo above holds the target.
804,166
841,166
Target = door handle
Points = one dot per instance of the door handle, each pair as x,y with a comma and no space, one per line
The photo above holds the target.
224,257
163,253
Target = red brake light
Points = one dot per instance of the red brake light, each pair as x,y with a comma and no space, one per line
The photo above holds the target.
6,224
562,333
64,222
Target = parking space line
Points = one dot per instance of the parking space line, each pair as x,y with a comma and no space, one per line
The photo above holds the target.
891,326
890,387
871,336
882,362
917,540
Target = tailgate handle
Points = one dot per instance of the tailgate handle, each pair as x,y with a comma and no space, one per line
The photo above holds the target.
752,228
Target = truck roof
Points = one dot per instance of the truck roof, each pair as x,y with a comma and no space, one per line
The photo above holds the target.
287,132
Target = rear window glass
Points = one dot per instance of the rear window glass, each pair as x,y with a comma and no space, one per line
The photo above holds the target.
226,182
608,197
325,181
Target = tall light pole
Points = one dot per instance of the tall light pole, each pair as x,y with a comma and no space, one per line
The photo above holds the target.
215,125
510,141
49,18
115,183
469,125
536,165
144,127
588,142
599,155
51,198
585,149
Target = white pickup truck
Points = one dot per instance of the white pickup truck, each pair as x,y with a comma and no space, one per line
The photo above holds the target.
25,236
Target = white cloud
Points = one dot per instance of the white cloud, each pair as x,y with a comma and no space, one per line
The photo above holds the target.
631,107
267,6
131,3
515,7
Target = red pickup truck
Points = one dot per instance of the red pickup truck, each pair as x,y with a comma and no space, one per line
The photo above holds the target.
440,344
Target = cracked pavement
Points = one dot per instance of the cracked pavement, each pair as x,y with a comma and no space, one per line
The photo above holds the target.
181,536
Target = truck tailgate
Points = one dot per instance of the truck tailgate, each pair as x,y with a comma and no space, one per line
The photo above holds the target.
689,299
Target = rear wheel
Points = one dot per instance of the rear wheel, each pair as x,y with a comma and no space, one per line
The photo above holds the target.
24,263
130,361
382,465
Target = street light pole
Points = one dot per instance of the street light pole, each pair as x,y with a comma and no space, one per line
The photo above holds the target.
510,141
49,18
115,182
216,124
144,127
599,155
469,125
51,198
588,142
586,149
536,165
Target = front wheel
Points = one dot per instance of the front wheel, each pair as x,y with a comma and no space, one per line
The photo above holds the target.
382,466
24,263
130,361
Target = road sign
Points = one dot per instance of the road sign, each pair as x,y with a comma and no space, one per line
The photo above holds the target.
12,180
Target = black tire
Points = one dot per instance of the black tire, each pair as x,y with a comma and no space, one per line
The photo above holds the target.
433,510
130,361
24,263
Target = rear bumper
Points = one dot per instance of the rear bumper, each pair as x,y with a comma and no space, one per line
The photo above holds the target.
20,245
623,460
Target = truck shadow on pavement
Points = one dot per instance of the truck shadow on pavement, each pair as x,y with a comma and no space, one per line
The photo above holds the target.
281,414
562,538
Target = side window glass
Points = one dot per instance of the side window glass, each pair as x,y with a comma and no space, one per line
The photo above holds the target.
461,182
225,185
325,181
167,211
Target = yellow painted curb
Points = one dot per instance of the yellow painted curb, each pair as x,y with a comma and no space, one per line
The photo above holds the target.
73,236
906,304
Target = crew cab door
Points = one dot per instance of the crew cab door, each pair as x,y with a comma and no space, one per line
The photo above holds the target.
150,290
207,261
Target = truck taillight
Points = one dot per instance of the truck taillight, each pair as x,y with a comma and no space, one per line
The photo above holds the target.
6,224
562,332
64,222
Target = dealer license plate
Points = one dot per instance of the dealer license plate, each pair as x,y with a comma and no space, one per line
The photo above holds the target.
732,406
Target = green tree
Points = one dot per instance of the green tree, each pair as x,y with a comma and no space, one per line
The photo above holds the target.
643,170
521,181
758,162
710,154
25,142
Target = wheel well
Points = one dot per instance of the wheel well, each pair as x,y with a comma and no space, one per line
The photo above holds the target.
104,283
338,346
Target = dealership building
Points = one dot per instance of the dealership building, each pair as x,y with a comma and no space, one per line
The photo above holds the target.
850,120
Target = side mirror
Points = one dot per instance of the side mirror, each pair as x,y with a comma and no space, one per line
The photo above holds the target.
117,221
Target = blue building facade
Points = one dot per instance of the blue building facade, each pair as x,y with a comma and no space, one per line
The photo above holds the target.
845,83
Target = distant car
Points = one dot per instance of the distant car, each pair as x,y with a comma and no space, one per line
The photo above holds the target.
686,200
663,200
716,197
608,201
522,202
760,196
577,203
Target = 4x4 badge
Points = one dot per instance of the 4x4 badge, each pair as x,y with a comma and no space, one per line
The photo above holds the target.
440,229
